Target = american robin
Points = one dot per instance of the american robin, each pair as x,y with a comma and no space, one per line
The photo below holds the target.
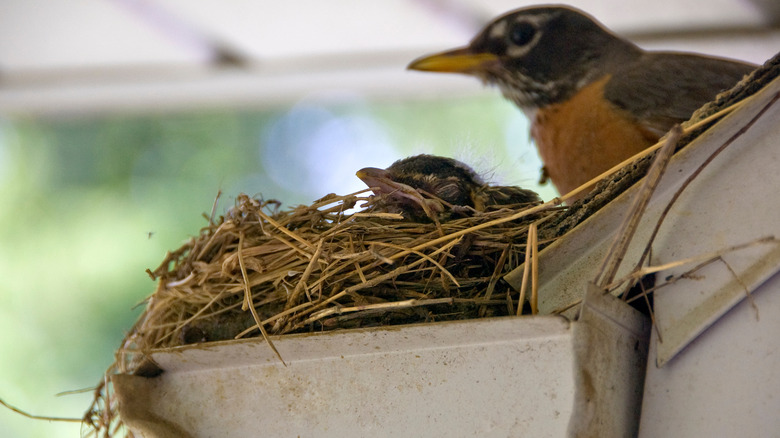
426,185
593,98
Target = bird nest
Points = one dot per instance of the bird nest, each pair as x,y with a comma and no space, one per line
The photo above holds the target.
259,271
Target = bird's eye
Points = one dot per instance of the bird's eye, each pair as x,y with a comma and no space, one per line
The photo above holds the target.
521,33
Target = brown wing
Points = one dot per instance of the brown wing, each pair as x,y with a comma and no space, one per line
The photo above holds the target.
665,88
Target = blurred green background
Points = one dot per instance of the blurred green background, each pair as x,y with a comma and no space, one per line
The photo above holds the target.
90,202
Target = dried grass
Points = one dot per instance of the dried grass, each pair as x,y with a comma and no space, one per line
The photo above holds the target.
317,268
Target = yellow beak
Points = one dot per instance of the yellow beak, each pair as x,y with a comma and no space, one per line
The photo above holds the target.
461,60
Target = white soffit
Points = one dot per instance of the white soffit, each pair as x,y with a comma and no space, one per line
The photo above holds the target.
103,55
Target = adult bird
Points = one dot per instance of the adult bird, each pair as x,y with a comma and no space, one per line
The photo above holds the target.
593,98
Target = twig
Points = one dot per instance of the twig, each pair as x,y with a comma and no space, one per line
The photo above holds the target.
526,274
301,286
217,232
284,230
748,295
40,417
702,259
567,307
630,223
248,299
389,305
495,277
214,207
533,247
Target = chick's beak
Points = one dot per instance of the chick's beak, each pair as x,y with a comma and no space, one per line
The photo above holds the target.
370,174
377,179
461,60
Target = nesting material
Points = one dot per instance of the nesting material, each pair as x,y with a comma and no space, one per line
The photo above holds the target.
316,268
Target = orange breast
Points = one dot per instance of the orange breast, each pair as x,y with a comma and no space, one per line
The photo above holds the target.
585,136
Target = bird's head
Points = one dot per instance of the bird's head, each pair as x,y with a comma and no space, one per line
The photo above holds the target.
537,56
428,185
424,179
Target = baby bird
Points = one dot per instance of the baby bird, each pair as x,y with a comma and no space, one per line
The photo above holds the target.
428,185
